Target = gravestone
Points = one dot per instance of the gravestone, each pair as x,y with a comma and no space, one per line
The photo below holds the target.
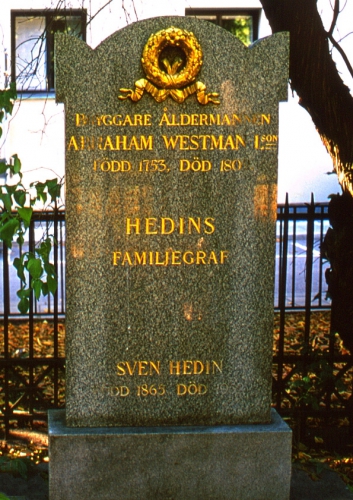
171,168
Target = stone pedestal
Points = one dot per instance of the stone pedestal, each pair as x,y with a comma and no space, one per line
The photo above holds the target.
243,462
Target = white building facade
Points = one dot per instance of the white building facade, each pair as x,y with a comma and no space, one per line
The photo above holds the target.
35,131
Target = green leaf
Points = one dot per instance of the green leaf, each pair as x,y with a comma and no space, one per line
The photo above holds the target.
45,289
20,240
18,264
3,497
34,266
44,249
53,189
24,293
37,287
3,167
16,164
16,467
8,230
49,269
20,197
26,214
12,91
41,194
52,283
6,199
23,305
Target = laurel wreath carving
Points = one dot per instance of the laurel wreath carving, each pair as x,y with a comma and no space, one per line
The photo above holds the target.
172,78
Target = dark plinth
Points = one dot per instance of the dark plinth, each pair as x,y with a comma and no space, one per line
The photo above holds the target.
243,462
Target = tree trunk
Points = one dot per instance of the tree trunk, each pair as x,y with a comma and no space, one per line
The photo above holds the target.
314,77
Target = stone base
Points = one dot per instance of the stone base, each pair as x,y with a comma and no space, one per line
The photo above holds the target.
243,462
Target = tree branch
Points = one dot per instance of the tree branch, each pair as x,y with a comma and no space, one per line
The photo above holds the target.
342,53
336,11
314,77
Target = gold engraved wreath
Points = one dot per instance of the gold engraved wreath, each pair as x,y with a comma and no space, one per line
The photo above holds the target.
166,78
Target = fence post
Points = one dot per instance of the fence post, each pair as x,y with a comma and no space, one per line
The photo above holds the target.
282,303
6,289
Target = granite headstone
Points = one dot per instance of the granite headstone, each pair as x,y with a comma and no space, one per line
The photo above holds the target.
171,170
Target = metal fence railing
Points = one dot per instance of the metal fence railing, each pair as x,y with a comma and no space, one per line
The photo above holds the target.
32,358
312,370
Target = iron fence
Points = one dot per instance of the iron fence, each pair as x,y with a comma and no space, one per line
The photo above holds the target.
312,370
32,359
32,364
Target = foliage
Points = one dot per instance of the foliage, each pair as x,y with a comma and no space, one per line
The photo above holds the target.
34,269
315,379
240,27
7,98
16,467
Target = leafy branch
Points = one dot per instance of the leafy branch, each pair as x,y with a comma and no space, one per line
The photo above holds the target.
17,202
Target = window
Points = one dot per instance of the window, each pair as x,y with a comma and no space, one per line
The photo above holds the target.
32,45
243,23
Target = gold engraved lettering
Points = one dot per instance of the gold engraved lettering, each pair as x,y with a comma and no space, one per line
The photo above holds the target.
151,225
195,166
158,262
265,142
139,368
82,120
126,259
194,223
228,165
209,223
108,144
111,143
174,367
155,165
120,369
217,119
212,258
187,368
198,368
151,390
216,366
203,142
188,260
176,258
170,258
191,389
167,225
200,257
130,225
116,258
121,391
72,144
224,256
140,258
195,367
112,165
